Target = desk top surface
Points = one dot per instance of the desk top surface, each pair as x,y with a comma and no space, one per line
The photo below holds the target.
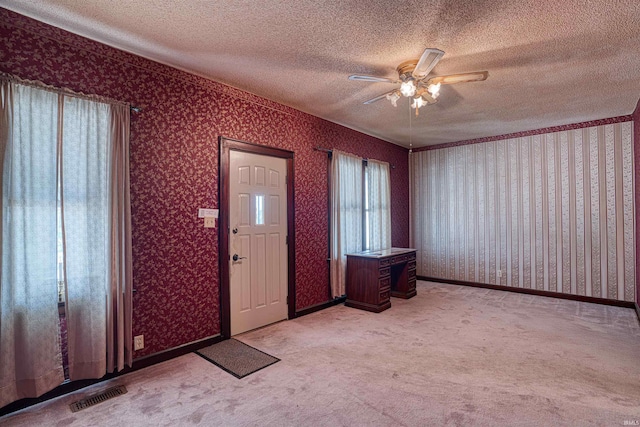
382,253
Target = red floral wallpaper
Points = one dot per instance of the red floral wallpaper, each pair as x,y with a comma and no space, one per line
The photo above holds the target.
174,171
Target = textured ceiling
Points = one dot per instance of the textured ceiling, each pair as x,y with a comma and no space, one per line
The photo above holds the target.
550,62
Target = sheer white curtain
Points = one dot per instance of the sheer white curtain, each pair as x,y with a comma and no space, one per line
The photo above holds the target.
96,219
346,215
85,213
30,356
74,172
379,204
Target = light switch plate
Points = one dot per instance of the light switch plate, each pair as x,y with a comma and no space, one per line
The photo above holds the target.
209,222
203,213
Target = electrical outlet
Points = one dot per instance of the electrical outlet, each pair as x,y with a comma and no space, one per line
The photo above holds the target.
209,222
138,342
499,273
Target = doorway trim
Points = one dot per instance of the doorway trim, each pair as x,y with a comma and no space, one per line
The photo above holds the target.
225,145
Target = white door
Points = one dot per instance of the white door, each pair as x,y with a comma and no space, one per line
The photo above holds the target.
258,236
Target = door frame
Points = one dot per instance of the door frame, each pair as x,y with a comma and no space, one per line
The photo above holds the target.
225,145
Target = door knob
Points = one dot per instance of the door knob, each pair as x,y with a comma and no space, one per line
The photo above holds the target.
236,257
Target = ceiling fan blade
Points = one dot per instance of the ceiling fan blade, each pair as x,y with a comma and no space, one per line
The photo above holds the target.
378,98
372,79
459,78
430,57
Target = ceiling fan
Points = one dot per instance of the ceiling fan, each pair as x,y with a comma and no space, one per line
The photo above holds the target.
414,84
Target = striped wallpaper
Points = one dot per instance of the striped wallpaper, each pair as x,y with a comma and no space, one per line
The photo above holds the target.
552,212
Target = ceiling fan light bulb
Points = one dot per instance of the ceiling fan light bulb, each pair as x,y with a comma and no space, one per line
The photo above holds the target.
434,89
418,102
393,97
408,88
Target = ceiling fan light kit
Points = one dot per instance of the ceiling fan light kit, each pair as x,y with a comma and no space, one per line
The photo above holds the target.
418,102
408,87
434,89
393,96
414,84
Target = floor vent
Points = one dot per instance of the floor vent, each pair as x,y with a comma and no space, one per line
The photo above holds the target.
97,398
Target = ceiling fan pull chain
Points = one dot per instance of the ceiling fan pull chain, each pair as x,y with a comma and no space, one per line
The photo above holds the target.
410,131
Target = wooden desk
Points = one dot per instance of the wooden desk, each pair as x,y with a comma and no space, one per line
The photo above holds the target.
374,276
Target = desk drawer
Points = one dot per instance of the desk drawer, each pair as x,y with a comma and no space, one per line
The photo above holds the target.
411,256
384,262
384,283
399,259
411,265
385,295
384,271
411,274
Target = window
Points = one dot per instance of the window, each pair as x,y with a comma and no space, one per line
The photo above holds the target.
66,228
377,206
260,209
360,211
366,243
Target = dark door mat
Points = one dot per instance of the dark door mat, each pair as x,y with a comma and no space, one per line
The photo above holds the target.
236,357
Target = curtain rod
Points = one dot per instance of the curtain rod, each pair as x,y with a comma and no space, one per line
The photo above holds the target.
328,151
64,91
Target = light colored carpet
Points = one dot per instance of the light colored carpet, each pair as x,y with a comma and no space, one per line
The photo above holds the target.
451,356
236,357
